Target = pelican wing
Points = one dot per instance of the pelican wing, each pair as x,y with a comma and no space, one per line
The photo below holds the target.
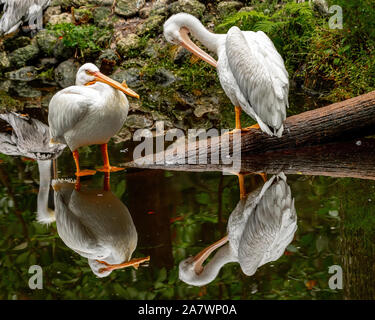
74,233
261,77
29,138
17,10
270,229
67,108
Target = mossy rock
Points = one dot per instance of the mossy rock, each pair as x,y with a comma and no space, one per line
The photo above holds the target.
46,41
128,43
11,44
227,8
61,18
193,7
28,73
83,15
159,8
4,61
102,17
152,26
138,121
21,56
51,45
7,103
128,8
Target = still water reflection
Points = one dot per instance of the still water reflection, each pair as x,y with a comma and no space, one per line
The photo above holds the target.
173,216
259,229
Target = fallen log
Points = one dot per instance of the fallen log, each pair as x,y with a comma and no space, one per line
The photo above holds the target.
354,159
348,119
340,121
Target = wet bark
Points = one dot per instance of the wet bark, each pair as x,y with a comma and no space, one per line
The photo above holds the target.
343,121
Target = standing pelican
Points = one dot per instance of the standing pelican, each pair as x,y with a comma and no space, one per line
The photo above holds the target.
251,71
96,225
91,112
259,229
15,11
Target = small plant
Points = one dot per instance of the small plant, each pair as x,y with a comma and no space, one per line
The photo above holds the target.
85,38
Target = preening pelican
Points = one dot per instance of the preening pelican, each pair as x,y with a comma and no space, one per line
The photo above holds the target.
96,225
28,138
91,112
251,71
15,11
259,229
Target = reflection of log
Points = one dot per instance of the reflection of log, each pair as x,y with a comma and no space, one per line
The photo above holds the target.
347,159
358,254
151,210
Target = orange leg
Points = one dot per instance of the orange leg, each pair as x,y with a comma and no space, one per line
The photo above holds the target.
255,126
107,167
107,185
79,172
77,185
241,181
132,263
238,111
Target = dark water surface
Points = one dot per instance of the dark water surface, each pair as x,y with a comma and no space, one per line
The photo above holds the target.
177,214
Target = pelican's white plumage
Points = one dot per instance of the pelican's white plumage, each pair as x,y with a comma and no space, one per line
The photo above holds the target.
15,11
251,71
261,79
29,138
95,224
84,115
259,229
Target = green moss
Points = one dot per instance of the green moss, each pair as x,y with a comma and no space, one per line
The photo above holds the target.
47,75
8,103
336,63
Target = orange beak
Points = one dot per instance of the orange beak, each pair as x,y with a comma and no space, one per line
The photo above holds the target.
194,49
199,259
124,88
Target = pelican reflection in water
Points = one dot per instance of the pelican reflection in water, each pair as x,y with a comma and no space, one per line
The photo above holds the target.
94,223
259,229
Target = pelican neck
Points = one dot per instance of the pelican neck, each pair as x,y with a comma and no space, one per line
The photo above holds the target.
209,39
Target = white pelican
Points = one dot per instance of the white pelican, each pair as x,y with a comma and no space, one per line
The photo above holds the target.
15,11
91,112
259,229
251,71
93,223
30,138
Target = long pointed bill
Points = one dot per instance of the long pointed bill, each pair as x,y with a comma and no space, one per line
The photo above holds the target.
132,263
194,49
199,259
124,88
